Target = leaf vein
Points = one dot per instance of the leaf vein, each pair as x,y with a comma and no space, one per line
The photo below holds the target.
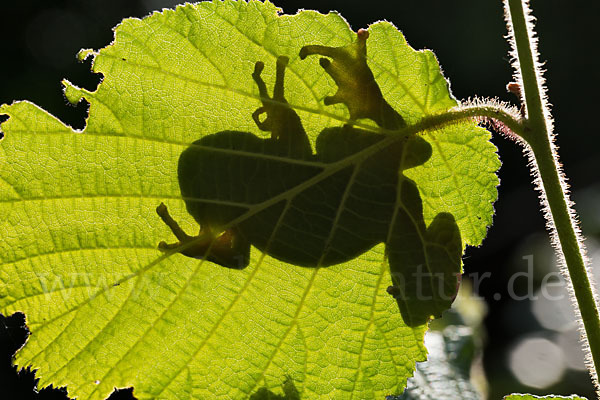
236,298
290,327
152,325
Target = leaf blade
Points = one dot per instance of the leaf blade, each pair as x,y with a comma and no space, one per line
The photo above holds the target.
97,191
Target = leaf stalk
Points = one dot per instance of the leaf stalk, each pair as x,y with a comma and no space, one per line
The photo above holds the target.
551,183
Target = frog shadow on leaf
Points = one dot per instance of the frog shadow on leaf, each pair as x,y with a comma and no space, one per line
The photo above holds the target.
317,209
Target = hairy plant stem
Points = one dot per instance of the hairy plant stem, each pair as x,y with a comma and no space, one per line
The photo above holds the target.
559,216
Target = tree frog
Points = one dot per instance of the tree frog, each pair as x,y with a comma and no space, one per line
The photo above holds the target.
308,214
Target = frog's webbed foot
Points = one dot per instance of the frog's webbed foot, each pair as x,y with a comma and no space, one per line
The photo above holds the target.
357,88
281,120
226,249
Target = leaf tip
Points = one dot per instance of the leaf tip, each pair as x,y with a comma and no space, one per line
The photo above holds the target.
83,54
72,93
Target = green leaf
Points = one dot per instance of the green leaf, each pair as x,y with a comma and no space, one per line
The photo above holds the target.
79,229
517,396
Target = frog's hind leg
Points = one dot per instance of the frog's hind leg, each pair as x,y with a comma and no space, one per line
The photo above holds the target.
228,249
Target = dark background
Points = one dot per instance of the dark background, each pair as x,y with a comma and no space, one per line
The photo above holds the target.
40,39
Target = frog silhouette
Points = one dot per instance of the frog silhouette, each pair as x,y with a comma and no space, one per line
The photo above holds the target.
317,209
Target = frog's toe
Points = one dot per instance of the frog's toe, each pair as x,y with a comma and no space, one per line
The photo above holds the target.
282,61
161,210
164,246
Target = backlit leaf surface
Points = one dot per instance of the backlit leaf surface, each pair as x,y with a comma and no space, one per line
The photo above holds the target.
79,229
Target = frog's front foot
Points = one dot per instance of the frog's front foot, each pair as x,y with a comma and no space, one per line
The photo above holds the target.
281,119
226,249
357,87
